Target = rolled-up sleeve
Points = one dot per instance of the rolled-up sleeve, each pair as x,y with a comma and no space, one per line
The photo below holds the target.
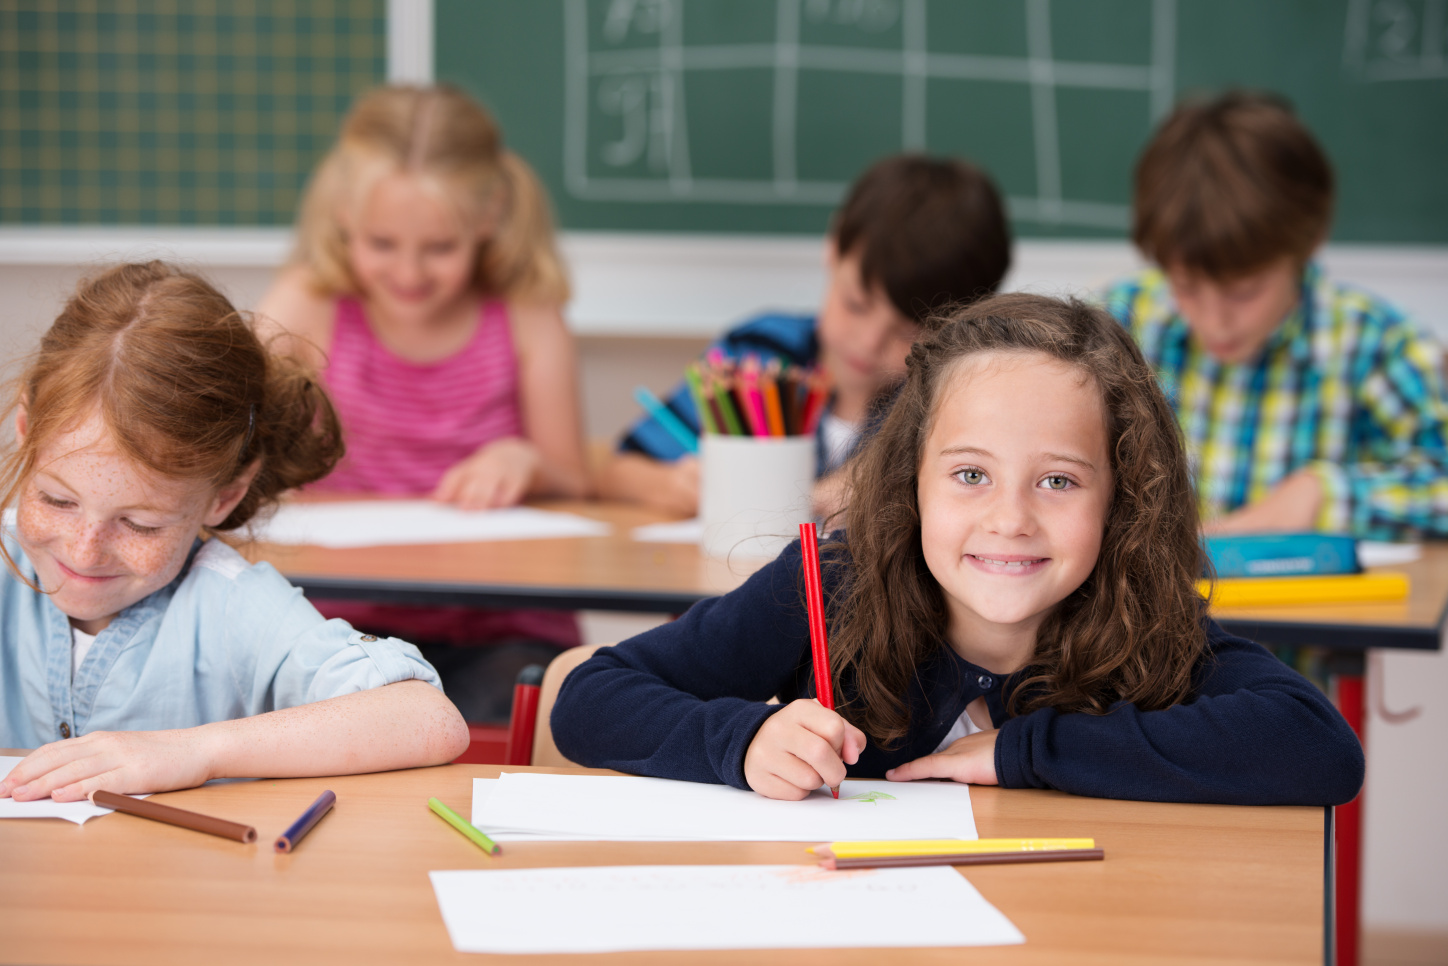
284,653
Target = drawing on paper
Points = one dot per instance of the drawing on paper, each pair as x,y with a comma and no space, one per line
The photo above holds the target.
871,797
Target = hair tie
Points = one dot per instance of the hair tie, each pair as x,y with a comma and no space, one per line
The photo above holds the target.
250,431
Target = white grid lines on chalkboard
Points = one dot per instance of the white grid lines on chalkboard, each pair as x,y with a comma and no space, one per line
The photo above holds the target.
626,138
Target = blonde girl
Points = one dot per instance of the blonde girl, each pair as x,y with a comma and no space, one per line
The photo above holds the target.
1013,602
137,650
427,291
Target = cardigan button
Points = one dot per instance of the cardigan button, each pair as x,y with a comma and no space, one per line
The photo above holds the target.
369,638
64,730
986,682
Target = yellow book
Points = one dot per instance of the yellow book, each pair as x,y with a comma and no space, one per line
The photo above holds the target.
1327,589
867,850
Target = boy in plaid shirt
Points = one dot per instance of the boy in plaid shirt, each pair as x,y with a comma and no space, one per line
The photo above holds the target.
1304,404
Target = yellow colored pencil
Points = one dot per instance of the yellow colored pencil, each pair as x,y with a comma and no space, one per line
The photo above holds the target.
1275,591
861,850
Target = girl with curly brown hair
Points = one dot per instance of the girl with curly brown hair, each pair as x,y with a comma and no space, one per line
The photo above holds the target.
1013,600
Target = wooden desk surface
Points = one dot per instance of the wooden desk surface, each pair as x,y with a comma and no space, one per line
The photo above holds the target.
1180,883
618,573
613,572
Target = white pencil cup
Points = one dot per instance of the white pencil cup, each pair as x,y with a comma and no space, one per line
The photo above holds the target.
754,492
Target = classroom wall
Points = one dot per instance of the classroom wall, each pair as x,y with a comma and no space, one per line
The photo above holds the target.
1406,858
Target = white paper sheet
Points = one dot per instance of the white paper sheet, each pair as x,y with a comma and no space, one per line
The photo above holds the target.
599,807
76,812
676,531
1373,553
377,523
627,908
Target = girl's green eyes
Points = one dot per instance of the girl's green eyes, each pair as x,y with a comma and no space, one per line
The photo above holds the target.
1056,481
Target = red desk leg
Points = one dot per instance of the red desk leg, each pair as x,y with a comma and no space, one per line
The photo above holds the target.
1347,821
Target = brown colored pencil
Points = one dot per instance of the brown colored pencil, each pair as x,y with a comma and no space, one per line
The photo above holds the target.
977,858
175,816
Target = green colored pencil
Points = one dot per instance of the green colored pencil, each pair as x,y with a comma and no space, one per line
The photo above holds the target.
726,406
463,826
696,388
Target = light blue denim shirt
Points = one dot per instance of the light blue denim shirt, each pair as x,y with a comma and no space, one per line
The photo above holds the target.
225,639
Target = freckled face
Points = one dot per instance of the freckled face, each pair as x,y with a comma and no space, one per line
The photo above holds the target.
103,532
1014,486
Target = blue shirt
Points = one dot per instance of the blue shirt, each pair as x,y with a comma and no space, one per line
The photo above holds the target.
789,338
226,639
685,700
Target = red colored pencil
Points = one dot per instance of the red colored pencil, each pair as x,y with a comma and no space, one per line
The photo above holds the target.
819,645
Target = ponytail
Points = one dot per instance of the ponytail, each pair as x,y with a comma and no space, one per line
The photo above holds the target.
521,259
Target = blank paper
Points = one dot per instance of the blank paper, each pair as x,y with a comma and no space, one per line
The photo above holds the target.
629,808
376,523
642,907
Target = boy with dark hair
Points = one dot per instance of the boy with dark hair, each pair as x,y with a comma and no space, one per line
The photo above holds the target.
914,235
1304,404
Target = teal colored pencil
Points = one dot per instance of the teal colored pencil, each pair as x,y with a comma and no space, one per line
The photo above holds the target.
463,826
666,418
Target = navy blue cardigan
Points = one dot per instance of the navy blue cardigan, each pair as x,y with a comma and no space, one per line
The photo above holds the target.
684,701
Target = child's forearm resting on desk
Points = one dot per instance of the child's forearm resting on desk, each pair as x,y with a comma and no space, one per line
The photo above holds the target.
686,700
672,487
402,725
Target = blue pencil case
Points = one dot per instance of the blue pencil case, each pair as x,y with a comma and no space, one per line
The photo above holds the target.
1282,554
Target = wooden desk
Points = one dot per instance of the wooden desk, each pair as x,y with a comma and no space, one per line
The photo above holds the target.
618,573
1180,883
614,572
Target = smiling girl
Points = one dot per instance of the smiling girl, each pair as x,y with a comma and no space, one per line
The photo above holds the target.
1013,602
148,653
427,291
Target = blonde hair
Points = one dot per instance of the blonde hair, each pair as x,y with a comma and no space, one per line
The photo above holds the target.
442,134
183,385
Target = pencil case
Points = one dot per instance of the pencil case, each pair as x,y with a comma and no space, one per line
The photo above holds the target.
1282,554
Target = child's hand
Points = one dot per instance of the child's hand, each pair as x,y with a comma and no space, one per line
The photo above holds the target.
680,492
497,475
970,759
126,762
799,749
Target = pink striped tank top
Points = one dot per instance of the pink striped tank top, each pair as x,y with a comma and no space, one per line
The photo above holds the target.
405,425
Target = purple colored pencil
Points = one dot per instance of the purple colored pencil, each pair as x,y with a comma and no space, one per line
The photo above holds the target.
303,825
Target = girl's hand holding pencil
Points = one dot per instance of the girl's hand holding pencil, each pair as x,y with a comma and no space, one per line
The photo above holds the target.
800,748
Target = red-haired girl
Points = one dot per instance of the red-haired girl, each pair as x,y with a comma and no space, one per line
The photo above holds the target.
137,649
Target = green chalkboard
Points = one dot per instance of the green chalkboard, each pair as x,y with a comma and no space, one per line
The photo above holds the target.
208,112
754,115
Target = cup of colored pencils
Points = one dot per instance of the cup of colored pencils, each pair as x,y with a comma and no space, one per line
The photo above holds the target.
757,455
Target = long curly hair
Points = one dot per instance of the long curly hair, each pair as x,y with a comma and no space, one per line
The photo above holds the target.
1131,632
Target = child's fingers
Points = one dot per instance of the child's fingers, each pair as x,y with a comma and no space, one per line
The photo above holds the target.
45,785
447,487
771,785
821,757
40,762
931,766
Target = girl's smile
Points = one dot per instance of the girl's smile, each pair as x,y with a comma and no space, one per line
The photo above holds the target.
102,532
1014,486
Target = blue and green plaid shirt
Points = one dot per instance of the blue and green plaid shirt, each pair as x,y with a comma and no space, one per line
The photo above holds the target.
1347,388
